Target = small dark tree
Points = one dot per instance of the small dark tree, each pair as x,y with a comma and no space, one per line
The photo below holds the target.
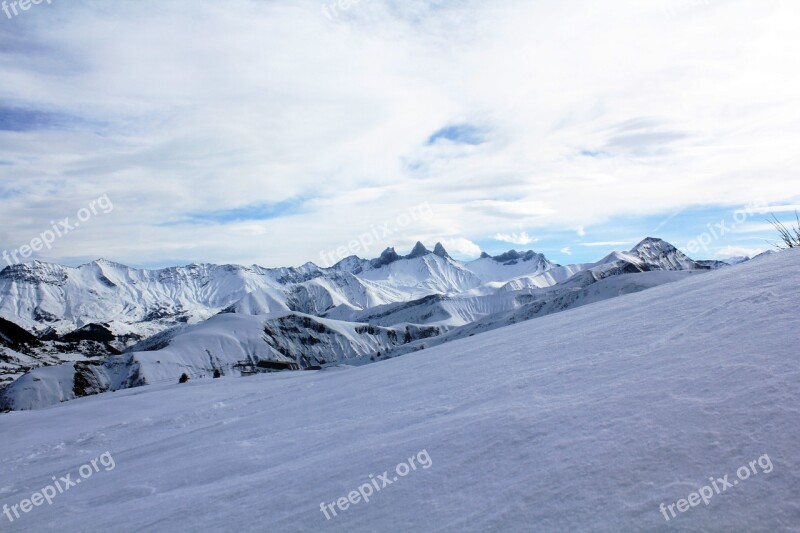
184,378
217,373
790,236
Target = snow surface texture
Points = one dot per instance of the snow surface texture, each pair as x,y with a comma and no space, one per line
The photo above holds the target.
585,420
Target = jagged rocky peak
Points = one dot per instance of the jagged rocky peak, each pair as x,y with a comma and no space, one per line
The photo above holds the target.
418,251
388,256
653,243
513,256
354,264
653,248
440,251
656,254
105,262
389,253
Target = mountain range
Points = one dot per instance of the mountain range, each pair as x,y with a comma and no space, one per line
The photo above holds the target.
75,331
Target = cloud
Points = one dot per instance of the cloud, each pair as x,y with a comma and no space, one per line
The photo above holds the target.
461,247
738,251
566,250
581,231
777,209
312,129
522,238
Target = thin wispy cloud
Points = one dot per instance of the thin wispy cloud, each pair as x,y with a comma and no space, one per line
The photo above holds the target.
522,238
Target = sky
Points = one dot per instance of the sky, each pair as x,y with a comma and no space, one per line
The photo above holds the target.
278,132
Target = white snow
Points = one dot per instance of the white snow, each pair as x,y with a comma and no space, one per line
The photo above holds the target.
586,420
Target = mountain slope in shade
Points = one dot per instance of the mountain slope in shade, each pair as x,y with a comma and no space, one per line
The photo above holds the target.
216,344
585,420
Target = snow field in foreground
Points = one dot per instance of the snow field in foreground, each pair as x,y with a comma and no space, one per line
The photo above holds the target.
585,420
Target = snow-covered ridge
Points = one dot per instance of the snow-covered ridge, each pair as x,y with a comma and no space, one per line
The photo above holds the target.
41,296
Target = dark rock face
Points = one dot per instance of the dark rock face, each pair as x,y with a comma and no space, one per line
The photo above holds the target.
86,381
15,337
440,251
388,257
90,332
418,251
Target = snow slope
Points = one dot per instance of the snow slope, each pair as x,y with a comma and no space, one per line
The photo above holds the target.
580,290
585,420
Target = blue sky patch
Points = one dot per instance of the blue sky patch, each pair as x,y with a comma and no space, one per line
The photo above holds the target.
258,211
706,230
460,134
20,119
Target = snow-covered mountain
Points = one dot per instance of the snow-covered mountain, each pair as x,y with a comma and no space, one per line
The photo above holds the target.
586,420
135,304
367,310
40,296
651,254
